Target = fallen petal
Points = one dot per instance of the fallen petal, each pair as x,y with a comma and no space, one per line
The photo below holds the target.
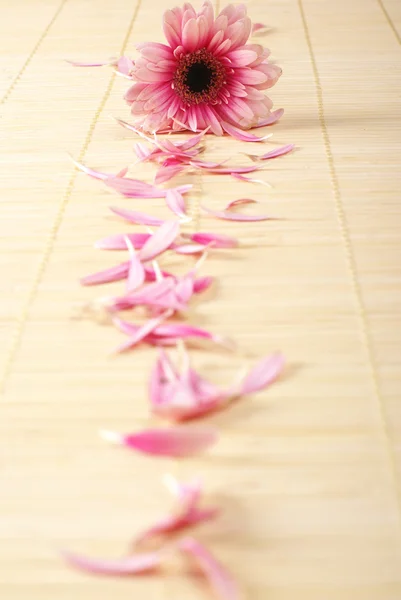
166,173
262,375
249,179
136,273
272,119
274,153
142,332
127,565
160,241
125,65
176,203
75,63
218,577
107,275
218,240
241,135
231,216
118,241
139,218
174,441
234,203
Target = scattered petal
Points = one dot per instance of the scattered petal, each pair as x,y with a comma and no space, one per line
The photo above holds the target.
258,27
234,203
136,273
166,173
262,375
176,203
188,514
137,217
125,66
111,62
218,577
243,136
174,441
231,216
273,153
160,241
249,179
217,239
142,332
107,275
272,119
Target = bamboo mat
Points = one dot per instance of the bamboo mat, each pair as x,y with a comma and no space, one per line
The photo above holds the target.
308,473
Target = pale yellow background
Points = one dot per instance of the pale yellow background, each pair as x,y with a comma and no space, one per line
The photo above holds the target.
308,473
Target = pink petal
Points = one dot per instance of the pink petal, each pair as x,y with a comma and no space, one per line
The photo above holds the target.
176,202
241,135
240,201
108,275
217,239
249,179
142,152
232,170
188,515
97,174
136,273
134,188
219,579
182,331
160,241
127,565
125,65
137,217
258,26
274,153
190,248
143,331
273,118
166,173
75,63
193,141
174,441
118,241
262,374
230,216
202,284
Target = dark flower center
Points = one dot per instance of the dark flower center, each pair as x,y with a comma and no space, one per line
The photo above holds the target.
199,77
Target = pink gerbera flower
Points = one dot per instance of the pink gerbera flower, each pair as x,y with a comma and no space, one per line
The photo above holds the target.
207,76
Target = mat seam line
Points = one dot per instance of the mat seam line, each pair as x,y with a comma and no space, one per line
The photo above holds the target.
390,21
36,47
364,322
23,317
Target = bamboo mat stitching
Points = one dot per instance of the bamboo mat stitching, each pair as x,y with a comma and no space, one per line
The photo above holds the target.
23,317
352,267
41,39
389,20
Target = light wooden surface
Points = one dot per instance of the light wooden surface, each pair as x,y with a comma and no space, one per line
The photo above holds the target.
309,472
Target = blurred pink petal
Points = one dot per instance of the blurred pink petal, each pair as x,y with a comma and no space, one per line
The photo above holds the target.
116,273
190,248
262,375
118,241
173,441
217,239
143,331
125,65
274,153
240,201
232,216
192,141
218,577
258,26
160,241
142,152
202,284
136,217
166,173
127,565
188,512
136,272
134,188
176,203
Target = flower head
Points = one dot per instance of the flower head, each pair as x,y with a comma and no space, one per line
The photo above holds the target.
207,75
